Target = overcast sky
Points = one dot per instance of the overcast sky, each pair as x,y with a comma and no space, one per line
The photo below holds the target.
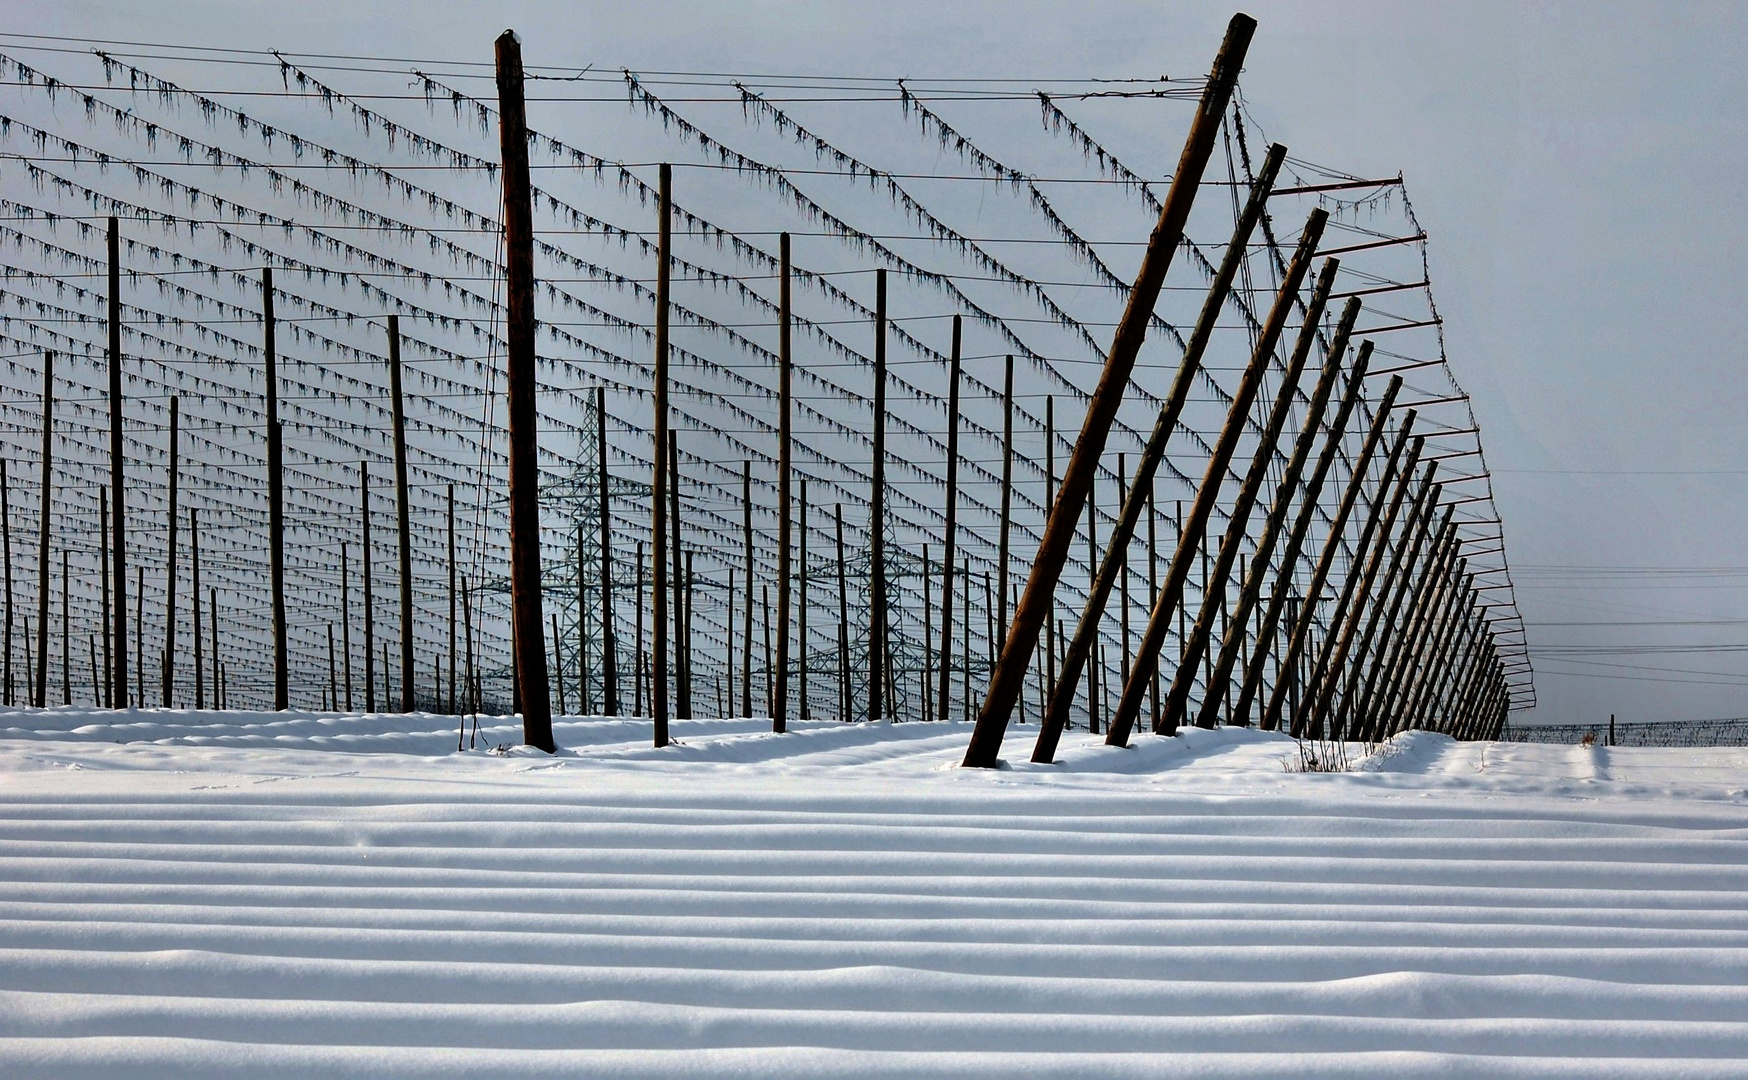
1578,167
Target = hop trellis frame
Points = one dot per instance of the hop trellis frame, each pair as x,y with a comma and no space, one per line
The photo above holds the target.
372,188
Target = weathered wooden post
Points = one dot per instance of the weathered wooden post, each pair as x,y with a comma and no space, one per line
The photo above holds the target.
403,512
582,638
140,634
1202,508
1147,465
1251,588
117,474
785,466
40,692
1238,516
877,670
609,644
170,556
1036,602
928,673
522,383
950,529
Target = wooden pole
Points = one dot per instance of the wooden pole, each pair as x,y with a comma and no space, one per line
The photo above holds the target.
66,635
117,473
801,609
346,623
452,668
108,694
1398,587
403,512
40,694
140,633
1007,501
728,637
746,669
212,609
1152,593
6,547
1202,508
949,533
1053,628
582,642
929,628
609,647
1250,589
877,514
785,465
275,499
843,619
687,657
1036,601
965,639
194,598
682,674
170,556
364,561
472,691
1123,580
659,483
333,674
644,699
522,384
1238,515
1147,465
1092,554
770,690
558,666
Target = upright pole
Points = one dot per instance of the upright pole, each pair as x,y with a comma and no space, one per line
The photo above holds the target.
609,647
275,499
1238,516
785,465
950,530
6,549
212,609
103,561
1152,592
801,608
41,689
403,511
582,618
877,514
345,624
452,669
1189,369
1092,671
333,676
659,482
1036,601
66,636
644,699
1251,588
1007,500
117,475
746,660
194,597
364,561
1052,624
522,384
170,557
140,633
843,619
682,680
1202,508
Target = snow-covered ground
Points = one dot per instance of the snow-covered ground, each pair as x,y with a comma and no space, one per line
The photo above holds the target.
293,895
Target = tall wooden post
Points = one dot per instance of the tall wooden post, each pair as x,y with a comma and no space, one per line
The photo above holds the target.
522,383
364,561
1004,526
558,666
6,550
275,499
609,647
41,692
453,672
1251,588
117,475
170,557
1238,516
194,598
965,640
403,512
1331,669
1189,368
1036,602
949,536
659,458
1269,623
746,668
877,514
801,609
785,465
107,695
843,619
1052,625
1202,508
1123,579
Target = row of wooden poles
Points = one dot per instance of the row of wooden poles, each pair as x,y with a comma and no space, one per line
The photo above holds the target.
1417,651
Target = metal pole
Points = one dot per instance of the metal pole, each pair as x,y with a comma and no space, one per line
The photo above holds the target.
170,556
950,529
117,476
522,384
1038,598
1202,508
1189,367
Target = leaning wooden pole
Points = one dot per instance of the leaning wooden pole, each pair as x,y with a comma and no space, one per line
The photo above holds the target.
950,529
1037,599
117,477
1137,499
609,646
1195,526
877,514
1250,589
785,467
40,688
403,512
523,417
1238,515
169,672
1363,678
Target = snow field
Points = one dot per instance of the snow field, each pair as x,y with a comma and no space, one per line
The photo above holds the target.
187,895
